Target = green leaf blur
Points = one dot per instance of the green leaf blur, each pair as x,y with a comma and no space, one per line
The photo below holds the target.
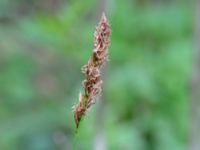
44,44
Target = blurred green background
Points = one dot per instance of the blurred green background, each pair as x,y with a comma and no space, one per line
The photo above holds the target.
144,106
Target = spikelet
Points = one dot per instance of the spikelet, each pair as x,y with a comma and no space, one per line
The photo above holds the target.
92,85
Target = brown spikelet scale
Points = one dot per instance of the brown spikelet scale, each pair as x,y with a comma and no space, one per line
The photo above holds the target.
93,82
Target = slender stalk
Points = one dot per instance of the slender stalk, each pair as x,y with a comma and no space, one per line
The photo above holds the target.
195,84
92,70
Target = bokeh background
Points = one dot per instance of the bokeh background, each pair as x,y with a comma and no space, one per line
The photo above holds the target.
146,93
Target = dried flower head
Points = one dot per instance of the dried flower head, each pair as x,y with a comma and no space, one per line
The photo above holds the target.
92,83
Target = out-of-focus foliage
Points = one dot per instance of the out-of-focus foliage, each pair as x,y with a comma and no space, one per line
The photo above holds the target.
44,43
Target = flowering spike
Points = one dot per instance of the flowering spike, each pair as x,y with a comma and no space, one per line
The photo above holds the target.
92,83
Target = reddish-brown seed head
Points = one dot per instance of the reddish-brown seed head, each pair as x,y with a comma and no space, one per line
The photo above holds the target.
92,83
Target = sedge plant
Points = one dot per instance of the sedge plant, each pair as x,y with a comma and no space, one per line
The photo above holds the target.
92,85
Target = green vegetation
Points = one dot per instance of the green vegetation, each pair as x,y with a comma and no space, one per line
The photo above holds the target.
145,96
